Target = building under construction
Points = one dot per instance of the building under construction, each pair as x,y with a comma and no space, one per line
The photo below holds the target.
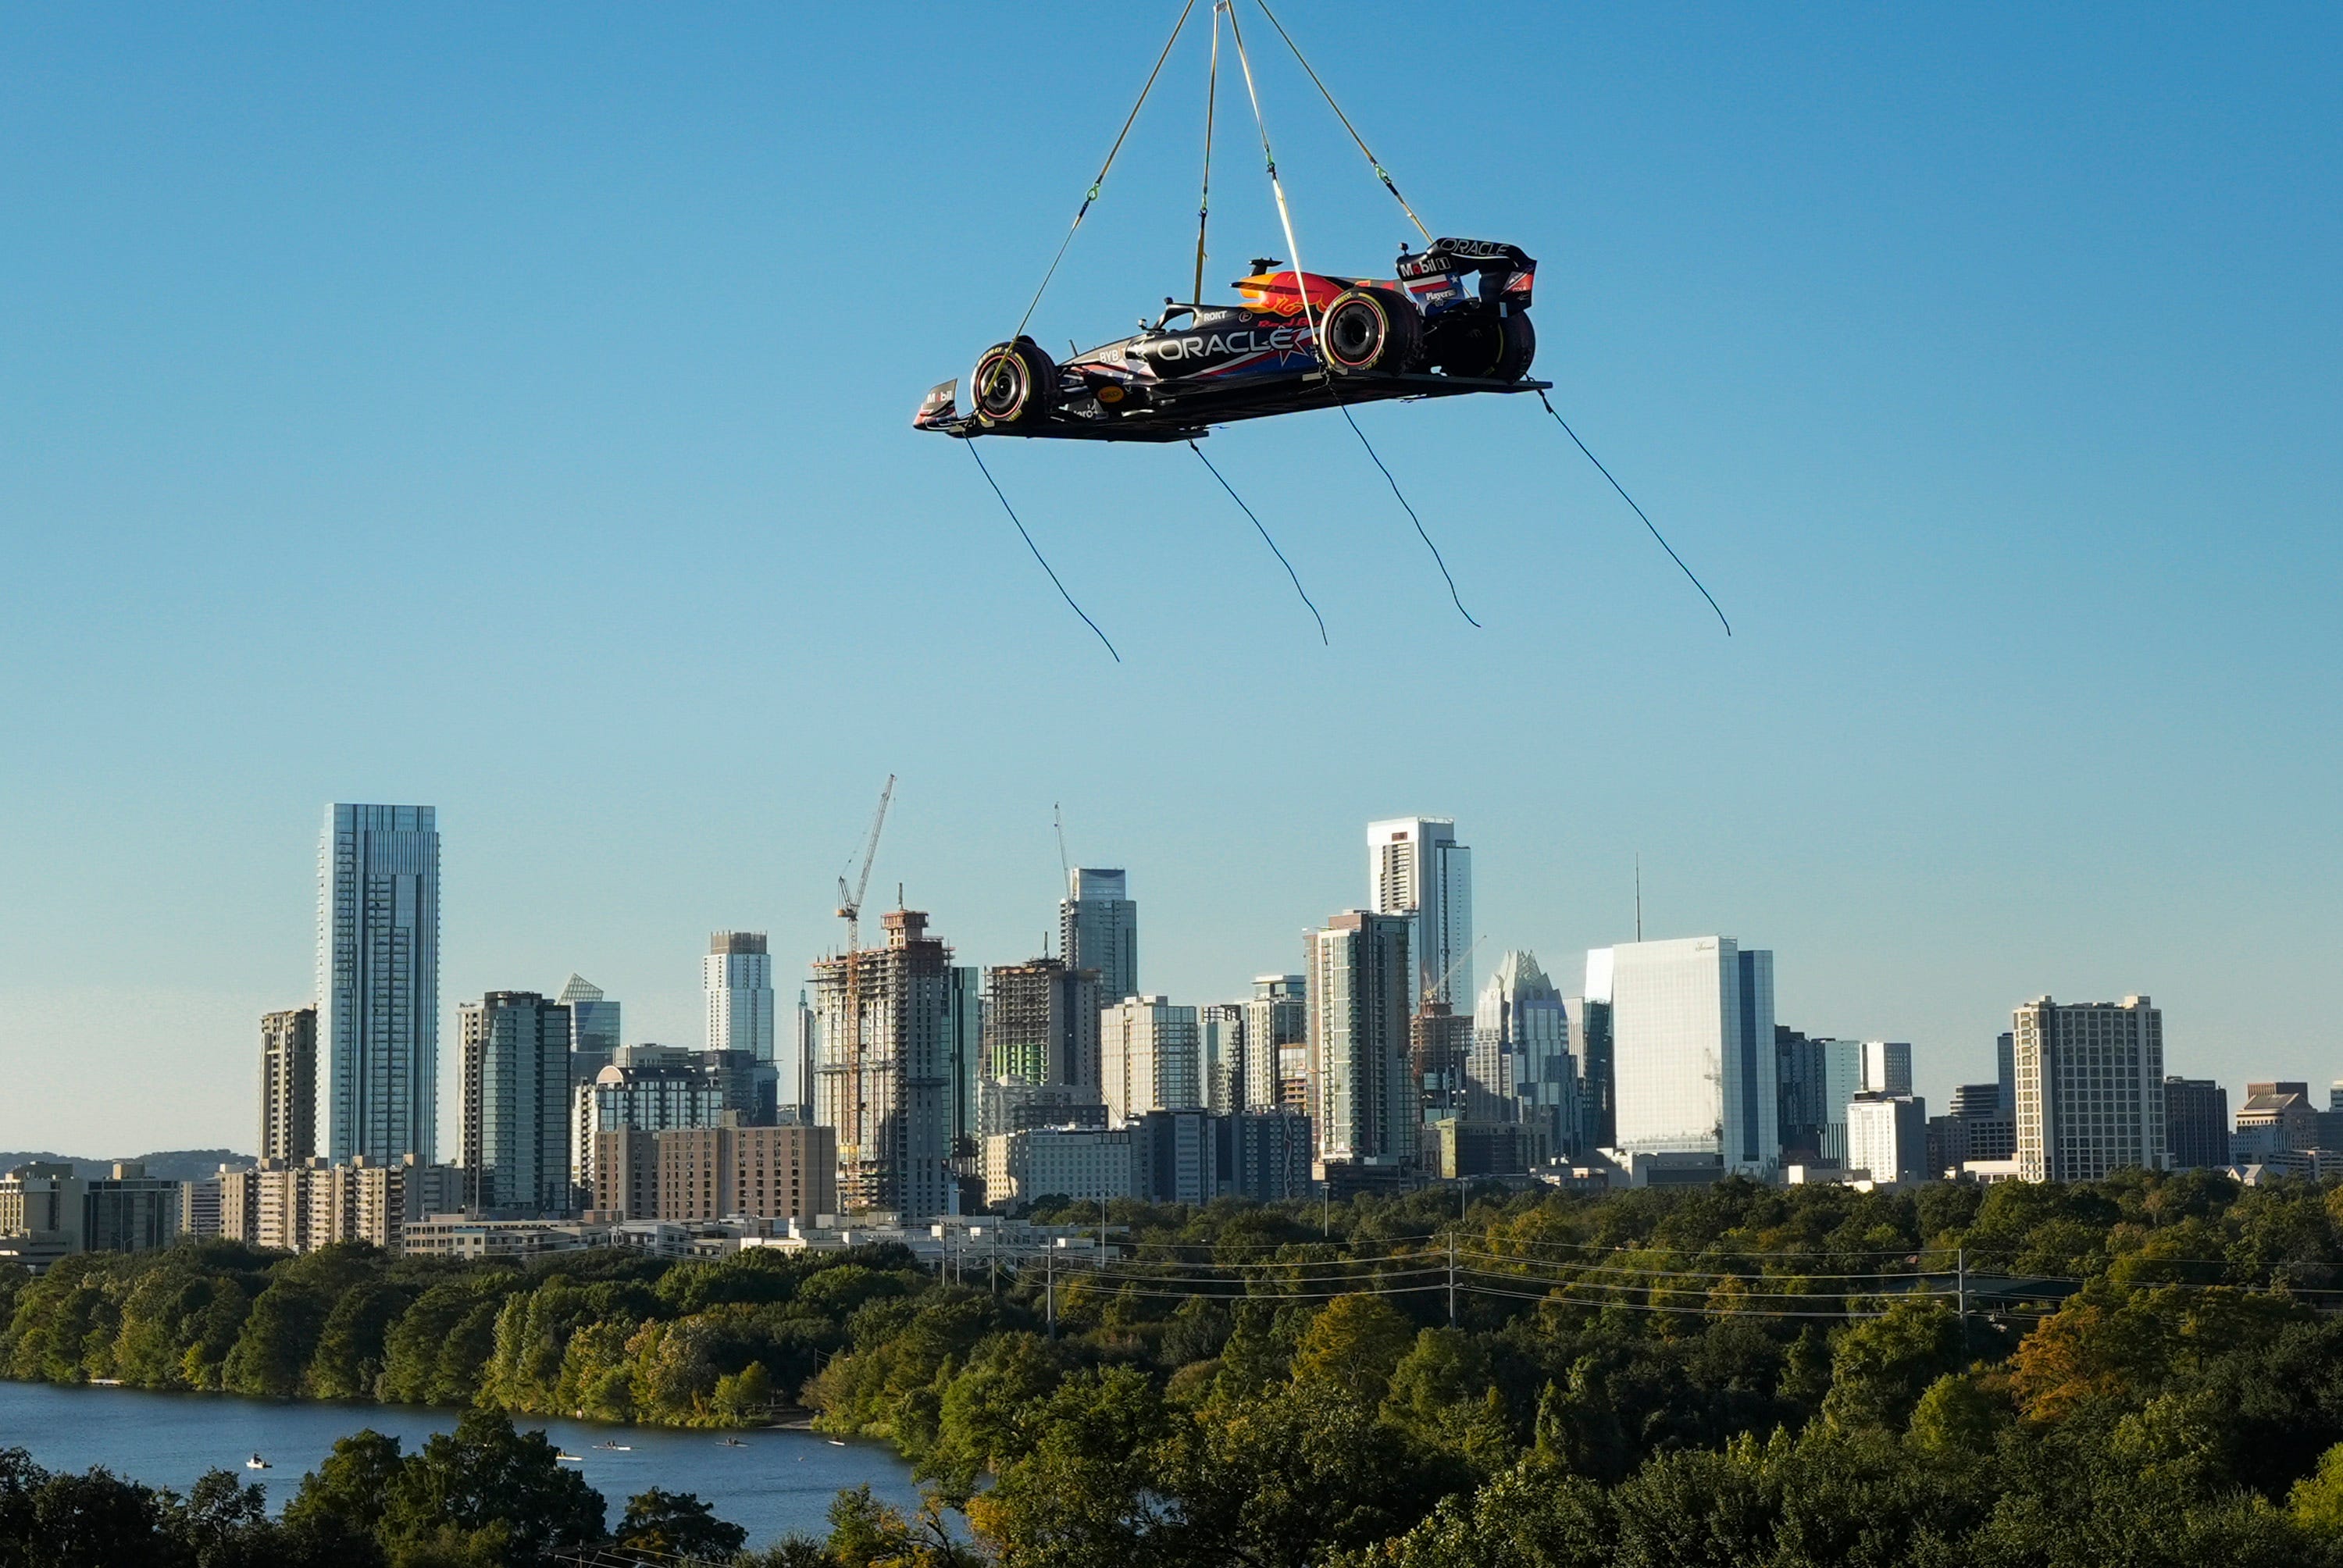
1042,1023
884,1082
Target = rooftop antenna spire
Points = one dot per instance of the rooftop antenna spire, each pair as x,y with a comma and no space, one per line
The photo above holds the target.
1639,895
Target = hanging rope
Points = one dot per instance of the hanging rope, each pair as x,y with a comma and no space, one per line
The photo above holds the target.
1411,517
1204,201
1639,512
1265,539
1036,548
1096,186
1372,162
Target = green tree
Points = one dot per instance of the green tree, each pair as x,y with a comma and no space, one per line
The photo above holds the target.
1881,1366
1354,1345
491,1486
678,1525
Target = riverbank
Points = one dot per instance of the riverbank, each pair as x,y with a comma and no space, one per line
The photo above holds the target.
771,1481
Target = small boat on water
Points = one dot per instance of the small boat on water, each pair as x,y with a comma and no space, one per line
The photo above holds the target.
734,1442
256,1463
838,1443
615,1447
561,1458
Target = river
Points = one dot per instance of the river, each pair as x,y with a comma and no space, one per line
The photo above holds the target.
775,1483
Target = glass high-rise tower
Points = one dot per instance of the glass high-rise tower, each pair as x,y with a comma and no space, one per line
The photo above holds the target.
1416,867
1692,1050
738,977
1098,929
378,980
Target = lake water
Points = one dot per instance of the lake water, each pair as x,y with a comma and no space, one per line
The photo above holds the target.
774,1483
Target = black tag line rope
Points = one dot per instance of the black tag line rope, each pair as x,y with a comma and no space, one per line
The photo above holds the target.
1639,512
1265,540
1036,549
1411,517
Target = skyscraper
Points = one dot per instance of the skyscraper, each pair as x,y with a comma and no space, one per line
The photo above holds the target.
964,1004
1416,867
1042,1023
1362,1100
1521,1052
1098,929
738,976
516,1097
378,980
288,1084
1221,1049
1148,1058
2196,1123
2090,1088
1597,1090
1692,1050
593,1028
1277,1016
885,1078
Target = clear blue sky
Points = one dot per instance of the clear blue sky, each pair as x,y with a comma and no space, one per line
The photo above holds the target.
505,407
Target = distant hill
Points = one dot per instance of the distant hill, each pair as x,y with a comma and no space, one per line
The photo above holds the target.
169,1164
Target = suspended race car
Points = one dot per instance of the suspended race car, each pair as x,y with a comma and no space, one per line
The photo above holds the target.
1455,319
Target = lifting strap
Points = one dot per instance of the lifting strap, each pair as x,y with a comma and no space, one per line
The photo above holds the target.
1277,188
1093,194
1204,201
1372,162
1310,313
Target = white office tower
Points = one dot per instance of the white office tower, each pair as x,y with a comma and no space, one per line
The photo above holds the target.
515,1102
1098,929
1220,1049
738,976
1148,1058
1888,1136
1360,1094
884,1018
593,1028
1521,1057
2090,1088
1416,867
378,980
1693,1058
1276,1019
1886,1067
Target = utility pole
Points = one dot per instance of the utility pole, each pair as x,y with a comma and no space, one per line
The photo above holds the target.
1452,1280
1049,1284
1961,1272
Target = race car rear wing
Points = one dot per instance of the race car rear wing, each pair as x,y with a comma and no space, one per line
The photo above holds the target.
1507,272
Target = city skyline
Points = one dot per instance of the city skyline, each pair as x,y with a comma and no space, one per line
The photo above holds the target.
1878,425
1940,1074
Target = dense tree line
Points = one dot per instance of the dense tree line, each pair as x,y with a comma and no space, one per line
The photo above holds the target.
2179,1401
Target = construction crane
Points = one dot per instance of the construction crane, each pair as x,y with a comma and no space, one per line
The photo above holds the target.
849,910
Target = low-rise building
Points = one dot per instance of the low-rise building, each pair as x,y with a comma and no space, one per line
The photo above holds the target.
460,1236
762,1172
1085,1163
301,1206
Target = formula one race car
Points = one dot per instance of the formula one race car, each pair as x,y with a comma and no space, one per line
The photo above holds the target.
1454,320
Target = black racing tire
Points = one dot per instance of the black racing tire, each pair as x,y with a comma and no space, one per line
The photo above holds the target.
1520,348
1370,331
1013,385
